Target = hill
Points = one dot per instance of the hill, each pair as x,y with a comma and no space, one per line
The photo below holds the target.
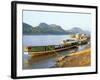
53,29
43,28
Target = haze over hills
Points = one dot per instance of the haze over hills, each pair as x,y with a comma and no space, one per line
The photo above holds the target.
53,29
78,30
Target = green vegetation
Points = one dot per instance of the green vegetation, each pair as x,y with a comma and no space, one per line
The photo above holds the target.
27,29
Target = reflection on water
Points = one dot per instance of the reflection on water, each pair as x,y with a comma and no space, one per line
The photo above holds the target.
46,61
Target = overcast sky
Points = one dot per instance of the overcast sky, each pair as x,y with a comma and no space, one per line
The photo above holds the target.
66,20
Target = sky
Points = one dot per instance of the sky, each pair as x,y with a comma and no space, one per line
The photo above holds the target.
67,20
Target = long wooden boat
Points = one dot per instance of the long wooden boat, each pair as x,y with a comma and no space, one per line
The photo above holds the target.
41,53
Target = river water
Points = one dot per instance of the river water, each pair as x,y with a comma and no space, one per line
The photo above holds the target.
42,40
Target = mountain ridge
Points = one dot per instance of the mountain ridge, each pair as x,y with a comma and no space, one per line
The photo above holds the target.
46,29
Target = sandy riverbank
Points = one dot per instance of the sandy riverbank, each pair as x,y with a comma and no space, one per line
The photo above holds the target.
81,58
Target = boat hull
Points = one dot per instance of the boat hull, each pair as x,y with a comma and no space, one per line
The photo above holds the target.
52,52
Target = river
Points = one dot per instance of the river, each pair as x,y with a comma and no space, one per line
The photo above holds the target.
42,40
